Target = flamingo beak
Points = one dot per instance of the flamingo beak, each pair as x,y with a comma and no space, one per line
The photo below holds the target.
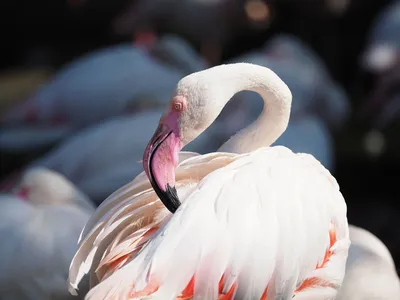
160,160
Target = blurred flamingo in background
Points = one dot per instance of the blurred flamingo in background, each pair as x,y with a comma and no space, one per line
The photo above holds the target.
104,157
370,270
121,79
383,49
39,226
240,231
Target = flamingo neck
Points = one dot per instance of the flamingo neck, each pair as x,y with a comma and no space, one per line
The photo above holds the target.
274,117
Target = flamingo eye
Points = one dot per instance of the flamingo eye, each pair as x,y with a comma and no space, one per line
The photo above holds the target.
178,106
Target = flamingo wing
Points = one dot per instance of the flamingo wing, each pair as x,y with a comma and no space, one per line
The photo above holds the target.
125,214
269,224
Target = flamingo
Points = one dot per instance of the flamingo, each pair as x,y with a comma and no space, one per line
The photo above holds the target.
370,270
247,222
39,225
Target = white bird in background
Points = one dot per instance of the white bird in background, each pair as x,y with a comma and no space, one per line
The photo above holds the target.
102,158
383,48
118,80
39,227
256,222
370,270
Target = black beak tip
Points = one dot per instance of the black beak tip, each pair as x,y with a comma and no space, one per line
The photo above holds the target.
172,195
169,197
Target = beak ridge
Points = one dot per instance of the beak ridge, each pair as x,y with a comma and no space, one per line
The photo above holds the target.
159,166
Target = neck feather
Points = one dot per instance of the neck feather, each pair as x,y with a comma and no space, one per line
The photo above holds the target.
274,117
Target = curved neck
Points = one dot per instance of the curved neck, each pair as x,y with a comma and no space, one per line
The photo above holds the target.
274,117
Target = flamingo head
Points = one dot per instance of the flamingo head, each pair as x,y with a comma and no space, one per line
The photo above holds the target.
192,109
162,153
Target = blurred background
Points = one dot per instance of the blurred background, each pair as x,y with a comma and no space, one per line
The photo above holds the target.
83,83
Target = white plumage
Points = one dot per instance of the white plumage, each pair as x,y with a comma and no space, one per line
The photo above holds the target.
39,233
206,231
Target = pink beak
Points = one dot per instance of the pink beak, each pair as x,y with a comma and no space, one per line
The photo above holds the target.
160,160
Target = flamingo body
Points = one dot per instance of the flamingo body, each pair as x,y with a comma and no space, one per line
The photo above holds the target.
225,242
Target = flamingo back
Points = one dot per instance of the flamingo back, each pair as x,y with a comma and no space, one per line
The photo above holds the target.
247,230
